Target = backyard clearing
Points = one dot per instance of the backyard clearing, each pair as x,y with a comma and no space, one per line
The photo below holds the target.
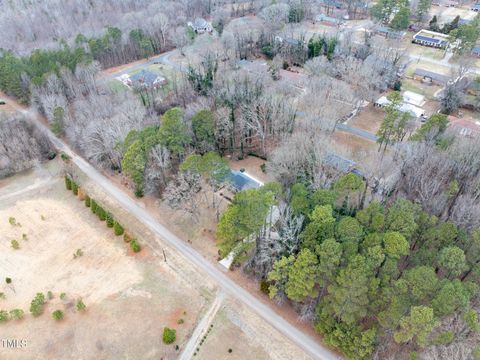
354,146
8,105
129,298
369,119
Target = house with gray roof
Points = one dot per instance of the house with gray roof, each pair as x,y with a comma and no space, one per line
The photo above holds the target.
339,163
388,32
146,79
328,20
200,26
430,77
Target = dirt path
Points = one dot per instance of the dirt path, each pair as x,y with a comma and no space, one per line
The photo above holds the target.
202,328
37,184
11,104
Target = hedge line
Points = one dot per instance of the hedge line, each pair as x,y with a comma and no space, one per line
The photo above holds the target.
103,215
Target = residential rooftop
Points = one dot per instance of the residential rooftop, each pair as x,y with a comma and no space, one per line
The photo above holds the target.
432,75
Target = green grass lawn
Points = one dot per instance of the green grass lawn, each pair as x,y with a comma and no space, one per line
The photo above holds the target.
425,90
117,85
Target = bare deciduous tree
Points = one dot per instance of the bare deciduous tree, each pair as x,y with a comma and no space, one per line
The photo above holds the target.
22,145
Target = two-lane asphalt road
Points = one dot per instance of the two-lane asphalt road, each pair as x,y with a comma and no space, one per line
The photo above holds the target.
308,344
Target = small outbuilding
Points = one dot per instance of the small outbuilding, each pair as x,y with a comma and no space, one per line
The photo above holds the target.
413,98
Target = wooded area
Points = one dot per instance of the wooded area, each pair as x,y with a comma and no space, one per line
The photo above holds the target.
22,145
382,259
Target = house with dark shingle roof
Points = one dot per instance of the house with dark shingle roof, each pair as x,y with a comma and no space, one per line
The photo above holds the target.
430,38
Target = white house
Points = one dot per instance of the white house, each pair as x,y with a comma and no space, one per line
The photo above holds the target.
416,111
200,26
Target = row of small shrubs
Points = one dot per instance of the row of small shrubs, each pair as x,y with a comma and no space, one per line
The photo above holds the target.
71,185
204,338
103,215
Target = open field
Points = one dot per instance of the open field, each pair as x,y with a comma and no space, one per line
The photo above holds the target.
129,298
235,327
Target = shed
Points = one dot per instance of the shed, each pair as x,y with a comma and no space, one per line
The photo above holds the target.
382,101
413,98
